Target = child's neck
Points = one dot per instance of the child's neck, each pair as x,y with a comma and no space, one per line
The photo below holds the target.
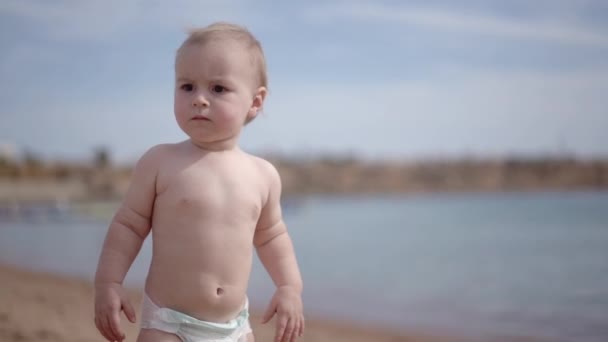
229,144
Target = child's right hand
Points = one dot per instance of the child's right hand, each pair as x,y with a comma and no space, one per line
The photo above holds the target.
109,300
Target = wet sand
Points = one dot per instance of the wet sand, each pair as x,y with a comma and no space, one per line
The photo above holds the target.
46,307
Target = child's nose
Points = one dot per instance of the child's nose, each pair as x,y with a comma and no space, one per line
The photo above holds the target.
200,101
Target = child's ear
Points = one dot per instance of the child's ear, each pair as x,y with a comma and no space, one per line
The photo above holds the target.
258,102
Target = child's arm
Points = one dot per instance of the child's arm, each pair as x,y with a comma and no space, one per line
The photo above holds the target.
127,231
276,252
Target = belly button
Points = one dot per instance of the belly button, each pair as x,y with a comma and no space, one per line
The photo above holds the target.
220,291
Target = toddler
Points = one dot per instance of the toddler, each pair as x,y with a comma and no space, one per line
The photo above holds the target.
208,204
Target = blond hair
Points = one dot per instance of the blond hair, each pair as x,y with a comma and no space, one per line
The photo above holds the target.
228,31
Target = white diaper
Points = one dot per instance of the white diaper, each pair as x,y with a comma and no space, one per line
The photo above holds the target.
190,329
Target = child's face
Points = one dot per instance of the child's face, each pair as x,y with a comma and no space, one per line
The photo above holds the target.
215,90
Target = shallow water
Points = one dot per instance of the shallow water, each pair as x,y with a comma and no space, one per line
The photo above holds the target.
516,264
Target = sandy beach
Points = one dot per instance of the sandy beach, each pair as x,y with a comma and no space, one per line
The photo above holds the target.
45,307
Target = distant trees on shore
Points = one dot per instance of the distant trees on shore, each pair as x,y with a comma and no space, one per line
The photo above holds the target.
101,178
30,165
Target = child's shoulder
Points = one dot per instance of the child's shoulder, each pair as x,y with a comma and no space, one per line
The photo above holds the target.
266,168
161,149
157,154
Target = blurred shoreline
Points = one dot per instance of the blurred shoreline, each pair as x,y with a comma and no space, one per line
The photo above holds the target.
32,180
46,307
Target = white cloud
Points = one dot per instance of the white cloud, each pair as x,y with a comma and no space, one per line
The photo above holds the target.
460,111
64,20
543,29
99,20
477,111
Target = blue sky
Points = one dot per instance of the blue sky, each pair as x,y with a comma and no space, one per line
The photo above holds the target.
380,79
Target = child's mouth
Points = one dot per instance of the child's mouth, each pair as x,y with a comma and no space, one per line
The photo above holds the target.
200,117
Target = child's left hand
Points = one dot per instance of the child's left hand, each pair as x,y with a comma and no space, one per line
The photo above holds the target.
287,304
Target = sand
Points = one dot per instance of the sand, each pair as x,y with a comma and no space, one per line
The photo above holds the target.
46,307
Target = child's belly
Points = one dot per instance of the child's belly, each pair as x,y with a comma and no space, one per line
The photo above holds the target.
203,273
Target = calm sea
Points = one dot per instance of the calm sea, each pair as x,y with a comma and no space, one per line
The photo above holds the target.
532,264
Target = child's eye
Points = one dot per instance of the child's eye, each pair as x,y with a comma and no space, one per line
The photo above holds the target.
218,89
186,87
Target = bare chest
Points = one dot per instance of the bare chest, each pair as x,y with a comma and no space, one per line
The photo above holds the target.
227,195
